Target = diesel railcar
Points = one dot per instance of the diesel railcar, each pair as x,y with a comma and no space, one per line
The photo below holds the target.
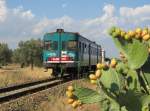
70,52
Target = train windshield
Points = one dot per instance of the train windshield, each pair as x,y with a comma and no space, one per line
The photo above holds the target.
69,45
51,45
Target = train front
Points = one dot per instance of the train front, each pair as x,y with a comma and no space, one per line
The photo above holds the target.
60,51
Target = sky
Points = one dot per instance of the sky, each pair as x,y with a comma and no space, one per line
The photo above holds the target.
26,19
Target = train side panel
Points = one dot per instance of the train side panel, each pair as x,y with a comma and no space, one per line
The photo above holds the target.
93,53
89,52
83,51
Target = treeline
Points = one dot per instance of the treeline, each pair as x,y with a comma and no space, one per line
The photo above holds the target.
28,53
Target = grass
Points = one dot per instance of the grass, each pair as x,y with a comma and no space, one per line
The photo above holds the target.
13,74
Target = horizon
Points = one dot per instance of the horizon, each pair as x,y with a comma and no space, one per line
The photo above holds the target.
23,19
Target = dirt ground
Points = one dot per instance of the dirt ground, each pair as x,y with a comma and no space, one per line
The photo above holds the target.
59,103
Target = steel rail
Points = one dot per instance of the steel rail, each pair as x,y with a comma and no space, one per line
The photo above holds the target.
14,92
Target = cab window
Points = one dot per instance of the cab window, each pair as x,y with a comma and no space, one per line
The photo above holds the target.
72,45
69,45
51,45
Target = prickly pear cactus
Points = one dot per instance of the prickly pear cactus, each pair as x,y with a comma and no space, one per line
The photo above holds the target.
123,84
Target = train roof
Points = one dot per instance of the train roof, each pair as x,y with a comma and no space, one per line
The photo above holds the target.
76,33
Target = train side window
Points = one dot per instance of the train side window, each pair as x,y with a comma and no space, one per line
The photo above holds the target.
85,48
80,46
93,51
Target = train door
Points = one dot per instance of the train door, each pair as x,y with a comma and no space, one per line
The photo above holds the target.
89,55
97,53
79,52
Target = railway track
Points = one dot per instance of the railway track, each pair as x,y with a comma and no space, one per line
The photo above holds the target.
17,91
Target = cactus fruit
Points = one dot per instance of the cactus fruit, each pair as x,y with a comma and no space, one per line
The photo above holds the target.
149,50
100,66
146,37
69,94
75,104
118,31
98,73
138,30
138,36
93,81
113,63
131,33
123,33
127,37
70,101
144,32
92,77
70,88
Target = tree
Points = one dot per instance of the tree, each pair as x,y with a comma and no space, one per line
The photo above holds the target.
5,54
28,53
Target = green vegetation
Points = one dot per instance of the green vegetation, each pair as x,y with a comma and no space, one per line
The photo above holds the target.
122,85
5,54
28,53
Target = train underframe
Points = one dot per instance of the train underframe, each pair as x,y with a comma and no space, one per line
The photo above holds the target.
75,70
